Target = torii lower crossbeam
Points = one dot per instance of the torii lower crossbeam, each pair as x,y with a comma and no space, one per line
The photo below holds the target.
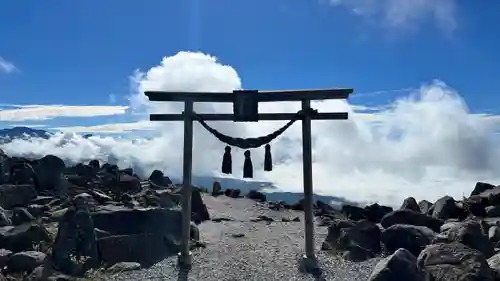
305,96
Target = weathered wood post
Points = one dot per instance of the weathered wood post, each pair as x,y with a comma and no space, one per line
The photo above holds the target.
248,112
187,167
307,179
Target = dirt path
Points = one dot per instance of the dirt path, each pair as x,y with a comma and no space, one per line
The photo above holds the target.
265,252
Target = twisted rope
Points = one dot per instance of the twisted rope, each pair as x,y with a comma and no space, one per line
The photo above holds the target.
251,142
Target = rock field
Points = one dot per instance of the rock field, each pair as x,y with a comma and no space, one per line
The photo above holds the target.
96,222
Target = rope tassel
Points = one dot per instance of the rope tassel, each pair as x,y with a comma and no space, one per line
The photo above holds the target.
268,159
227,162
247,166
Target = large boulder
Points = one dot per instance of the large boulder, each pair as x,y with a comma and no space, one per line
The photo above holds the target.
494,264
411,217
453,262
376,212
23,237
159,180
473,206
199,210
352,212
426,207
481,187
25,262
21,172
410,204
490,197
16,195
256,195
149,235
446,208
410,237
402,265
469,233
144,248
111,218
361,239
75,238
49,170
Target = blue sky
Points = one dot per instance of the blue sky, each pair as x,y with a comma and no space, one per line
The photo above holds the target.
68,65
84,52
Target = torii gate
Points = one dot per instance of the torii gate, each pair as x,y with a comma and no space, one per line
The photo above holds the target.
246,110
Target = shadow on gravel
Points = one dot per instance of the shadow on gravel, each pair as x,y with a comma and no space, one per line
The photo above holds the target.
183,274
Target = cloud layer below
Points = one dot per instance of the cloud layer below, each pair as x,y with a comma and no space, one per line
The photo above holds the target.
425,144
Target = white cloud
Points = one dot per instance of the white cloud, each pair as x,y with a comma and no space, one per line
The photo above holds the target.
112,98
45,112
404,13
426,144
6,66
112,128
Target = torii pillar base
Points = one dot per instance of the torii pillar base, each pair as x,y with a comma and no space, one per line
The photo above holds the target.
185,261
309,265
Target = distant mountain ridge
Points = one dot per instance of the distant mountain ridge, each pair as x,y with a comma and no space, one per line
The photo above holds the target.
9,134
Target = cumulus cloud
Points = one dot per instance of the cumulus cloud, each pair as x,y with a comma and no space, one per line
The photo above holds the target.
425,144
45,112
404,13
6,66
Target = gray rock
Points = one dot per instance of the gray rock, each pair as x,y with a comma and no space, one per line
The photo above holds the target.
376,212
110,218
401,265
493,211
361,238
144,248
124,266
46,273
159,180
75,235
481,187
22,237
446,208
410,204
453,262
21,215
412,218
25,261
491,197
16,195
4,219
426,207
494,264
256,195
4,257
469,233
494,234
410,237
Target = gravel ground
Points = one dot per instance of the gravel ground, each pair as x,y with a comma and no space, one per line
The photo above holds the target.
266,252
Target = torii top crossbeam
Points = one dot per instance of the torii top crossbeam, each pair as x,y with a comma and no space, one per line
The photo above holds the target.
260,96
246,110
